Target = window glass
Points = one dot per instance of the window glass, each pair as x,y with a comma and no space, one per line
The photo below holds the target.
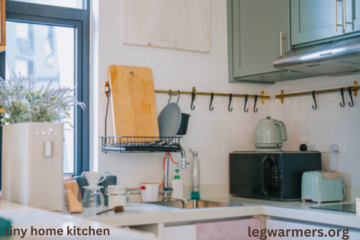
80,4
47,53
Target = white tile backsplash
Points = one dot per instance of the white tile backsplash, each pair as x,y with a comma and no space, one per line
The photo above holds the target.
215,134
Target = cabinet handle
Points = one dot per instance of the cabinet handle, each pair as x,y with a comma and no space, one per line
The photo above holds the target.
336,24
281,43
344,10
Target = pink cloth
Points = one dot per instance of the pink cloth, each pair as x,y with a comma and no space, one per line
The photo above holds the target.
227,230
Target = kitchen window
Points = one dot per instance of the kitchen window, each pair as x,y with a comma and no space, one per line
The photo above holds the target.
49,40
79,4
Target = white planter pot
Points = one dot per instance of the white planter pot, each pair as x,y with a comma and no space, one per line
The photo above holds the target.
32,165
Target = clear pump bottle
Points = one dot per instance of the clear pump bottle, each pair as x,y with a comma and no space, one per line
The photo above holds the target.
195,190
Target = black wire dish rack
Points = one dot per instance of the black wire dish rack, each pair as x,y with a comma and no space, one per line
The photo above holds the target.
140,144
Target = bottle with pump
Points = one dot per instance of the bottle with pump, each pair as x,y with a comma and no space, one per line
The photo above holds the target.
177,186
195,190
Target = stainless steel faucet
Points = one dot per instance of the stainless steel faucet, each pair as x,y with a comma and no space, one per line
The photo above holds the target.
167,190
183,163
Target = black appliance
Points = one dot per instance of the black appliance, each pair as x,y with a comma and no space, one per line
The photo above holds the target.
270,175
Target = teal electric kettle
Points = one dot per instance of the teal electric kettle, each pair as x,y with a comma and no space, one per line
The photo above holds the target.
270,135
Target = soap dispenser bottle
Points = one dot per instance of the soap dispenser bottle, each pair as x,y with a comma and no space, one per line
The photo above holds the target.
177,186
195,190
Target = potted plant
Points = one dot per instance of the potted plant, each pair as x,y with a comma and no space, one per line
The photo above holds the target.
23,103
33,141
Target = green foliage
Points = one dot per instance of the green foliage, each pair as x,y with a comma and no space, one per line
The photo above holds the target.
23,103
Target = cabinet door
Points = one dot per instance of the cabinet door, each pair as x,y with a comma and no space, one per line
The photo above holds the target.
315,20
256,27
187,232
301,228
353,15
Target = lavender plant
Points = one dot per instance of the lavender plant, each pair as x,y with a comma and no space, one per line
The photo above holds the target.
23,103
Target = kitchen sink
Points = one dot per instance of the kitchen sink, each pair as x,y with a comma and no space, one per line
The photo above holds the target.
195,204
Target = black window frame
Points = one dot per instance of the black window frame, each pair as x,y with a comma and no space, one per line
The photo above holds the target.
17,11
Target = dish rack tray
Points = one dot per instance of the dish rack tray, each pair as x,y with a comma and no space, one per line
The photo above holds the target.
139,144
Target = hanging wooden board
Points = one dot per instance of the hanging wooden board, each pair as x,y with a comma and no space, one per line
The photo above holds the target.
133,101
176,24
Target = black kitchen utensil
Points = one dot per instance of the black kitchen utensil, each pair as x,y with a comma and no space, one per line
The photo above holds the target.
184,124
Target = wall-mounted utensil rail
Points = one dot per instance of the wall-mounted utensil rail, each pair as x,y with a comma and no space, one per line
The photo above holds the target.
174,93
351,90
194,93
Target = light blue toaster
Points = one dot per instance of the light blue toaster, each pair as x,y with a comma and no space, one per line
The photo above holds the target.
322,186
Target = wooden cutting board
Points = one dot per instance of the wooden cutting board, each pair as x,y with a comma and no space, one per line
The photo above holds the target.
133,101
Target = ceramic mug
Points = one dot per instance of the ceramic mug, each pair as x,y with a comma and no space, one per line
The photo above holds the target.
93,178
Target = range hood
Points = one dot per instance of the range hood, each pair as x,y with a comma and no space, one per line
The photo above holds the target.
336,58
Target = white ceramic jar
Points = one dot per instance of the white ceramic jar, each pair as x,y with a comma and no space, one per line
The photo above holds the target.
117,195
149,192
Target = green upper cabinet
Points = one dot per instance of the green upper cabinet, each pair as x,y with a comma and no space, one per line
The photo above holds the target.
258,34
313,20
318,20
352,16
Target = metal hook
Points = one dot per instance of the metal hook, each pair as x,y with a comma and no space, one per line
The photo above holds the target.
230,99
178,96
246,99
342,96
256,98
351,98
192,100
314,97
211,108
170,93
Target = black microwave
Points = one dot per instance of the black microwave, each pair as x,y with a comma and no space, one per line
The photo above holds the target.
270,175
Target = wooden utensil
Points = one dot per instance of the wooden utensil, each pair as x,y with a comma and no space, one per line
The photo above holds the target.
117,209
133,101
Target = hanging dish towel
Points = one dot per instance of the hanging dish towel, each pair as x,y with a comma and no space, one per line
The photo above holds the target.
227,230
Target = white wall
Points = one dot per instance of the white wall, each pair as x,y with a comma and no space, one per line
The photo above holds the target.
212,134
215,134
